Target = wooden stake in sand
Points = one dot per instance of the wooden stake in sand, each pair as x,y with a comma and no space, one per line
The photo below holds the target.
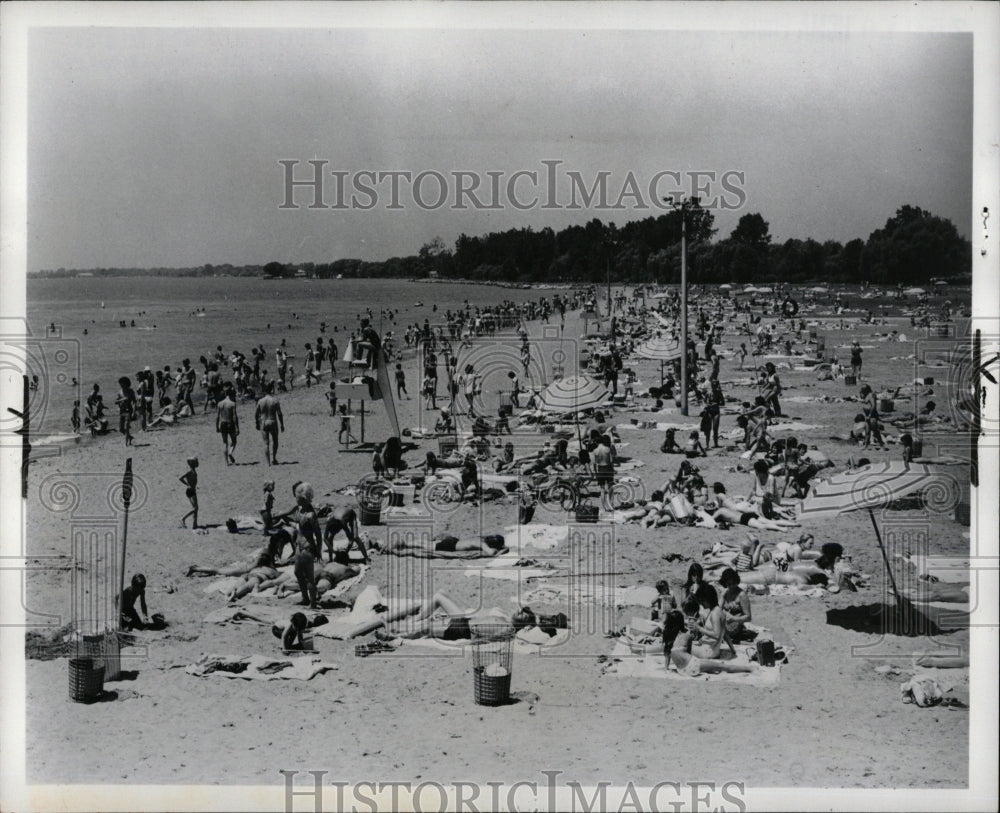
126,500
24,432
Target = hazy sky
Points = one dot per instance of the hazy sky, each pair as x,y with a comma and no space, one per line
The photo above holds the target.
158,147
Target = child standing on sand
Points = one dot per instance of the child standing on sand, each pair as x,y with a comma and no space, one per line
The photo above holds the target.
331,397
345,425
75,417
190,480
267,511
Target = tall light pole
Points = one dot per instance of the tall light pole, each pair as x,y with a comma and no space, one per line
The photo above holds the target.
682,205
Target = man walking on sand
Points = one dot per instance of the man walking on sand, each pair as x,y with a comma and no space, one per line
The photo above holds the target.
227,423
268,419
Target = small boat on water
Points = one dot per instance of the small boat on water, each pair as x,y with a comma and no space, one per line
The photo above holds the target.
418,304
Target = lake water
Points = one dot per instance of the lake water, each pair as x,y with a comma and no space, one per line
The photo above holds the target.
237,312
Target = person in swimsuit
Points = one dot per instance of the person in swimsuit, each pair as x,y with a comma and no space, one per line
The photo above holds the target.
291,635
735,604
268,419
227,424
262,571
190,481
344,519
136,591
604,466
488,545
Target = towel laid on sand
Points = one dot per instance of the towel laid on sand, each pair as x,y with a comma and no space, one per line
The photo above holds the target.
607,594
623,663
537,536
425,553
513,566
526,642
258,667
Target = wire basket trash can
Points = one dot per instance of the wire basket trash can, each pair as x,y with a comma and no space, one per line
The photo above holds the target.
492,648
86,679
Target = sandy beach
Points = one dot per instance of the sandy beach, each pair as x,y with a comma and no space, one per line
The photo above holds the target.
833,720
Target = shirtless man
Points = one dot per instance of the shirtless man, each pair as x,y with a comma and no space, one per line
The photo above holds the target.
227,424
268,419
343,518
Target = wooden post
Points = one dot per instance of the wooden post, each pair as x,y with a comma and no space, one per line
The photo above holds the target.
126,500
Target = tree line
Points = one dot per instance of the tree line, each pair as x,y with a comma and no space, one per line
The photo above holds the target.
914,246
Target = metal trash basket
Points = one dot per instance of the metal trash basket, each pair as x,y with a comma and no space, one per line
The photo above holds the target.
105,648
86,679
492,648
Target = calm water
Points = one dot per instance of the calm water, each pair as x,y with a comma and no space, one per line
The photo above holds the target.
237,315
237,312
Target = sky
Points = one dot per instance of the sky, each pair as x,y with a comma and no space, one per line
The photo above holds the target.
161,147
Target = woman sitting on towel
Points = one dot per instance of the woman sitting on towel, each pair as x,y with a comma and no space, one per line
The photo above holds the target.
735,604
705,629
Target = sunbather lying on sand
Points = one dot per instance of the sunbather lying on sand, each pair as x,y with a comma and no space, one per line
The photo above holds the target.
826,571
261,572
487,545
954,592
413,609
328,576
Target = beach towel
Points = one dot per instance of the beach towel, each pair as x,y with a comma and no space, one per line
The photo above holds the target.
425,553
263,614
513,566
537,536
605,594
258,667
938,568
622,663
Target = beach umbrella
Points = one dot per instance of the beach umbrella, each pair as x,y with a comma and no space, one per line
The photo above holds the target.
818,290
747,289
573,394
914,291
726,287
873,486
941,282
765,290
661,350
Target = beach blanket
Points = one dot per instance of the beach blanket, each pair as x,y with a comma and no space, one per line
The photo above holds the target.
622,663
607,595
258,667
513,566
526,642
425,553
538,536
224,585
800,590
938,568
